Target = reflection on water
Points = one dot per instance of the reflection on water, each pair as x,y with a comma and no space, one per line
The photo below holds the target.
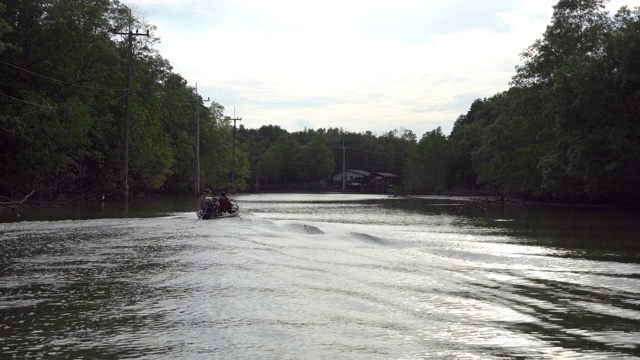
322,276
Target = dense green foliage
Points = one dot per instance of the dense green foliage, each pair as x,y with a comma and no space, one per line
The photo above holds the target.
307,159
568,128
63,92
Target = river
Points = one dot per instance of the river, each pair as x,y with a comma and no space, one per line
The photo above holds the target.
322,276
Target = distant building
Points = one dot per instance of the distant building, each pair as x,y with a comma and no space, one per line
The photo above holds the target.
366,182
352,177
387,178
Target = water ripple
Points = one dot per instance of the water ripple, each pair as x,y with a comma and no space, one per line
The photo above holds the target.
375,278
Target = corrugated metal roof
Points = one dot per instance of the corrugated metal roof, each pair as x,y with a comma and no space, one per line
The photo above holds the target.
361,172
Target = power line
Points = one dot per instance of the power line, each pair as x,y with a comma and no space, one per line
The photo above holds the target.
54,107
60,81
27,102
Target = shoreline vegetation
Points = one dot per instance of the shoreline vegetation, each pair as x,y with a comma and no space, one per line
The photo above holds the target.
566,131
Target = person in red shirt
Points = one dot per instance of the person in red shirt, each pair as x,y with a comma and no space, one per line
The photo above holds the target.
225,203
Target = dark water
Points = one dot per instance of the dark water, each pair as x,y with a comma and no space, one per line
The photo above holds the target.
321,276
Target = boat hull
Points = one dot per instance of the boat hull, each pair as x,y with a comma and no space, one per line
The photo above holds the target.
208,216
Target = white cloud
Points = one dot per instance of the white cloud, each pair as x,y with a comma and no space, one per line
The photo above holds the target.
361,65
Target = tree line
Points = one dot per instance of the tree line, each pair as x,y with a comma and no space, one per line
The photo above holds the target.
566,129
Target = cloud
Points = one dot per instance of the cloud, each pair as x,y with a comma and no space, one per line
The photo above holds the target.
361,65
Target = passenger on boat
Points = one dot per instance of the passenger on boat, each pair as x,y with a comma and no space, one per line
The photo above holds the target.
225,203
206,198
208,203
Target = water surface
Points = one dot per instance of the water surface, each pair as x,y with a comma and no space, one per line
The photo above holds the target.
322,276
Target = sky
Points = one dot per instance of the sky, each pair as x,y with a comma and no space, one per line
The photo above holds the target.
358,65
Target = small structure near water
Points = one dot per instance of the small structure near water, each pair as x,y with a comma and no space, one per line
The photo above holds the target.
366,182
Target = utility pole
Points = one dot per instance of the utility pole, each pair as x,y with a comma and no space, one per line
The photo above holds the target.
259,157
344,166
197,101
127,111
233,153
257,175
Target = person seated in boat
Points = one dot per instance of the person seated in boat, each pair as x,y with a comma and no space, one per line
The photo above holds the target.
208,203
225,203
206,199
